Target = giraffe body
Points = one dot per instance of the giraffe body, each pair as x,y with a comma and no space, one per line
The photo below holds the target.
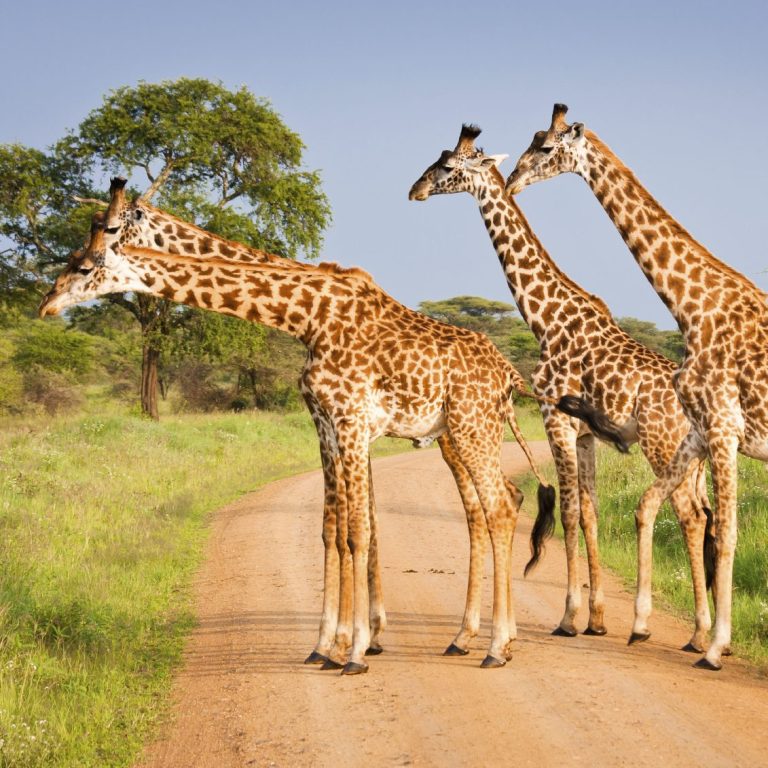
583,351
374,368
722,383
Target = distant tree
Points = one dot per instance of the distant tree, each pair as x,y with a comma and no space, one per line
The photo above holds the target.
496,319
222,159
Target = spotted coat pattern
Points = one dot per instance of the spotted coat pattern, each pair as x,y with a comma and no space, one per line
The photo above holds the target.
374,368
584,352
723,381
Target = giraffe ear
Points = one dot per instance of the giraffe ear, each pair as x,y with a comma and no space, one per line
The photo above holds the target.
576,132
485,161
496,160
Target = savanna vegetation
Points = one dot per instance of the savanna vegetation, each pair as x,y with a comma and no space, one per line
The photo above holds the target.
103,510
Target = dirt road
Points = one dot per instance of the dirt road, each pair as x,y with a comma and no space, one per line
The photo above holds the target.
244,698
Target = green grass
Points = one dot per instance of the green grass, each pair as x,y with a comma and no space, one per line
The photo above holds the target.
102,519
621,481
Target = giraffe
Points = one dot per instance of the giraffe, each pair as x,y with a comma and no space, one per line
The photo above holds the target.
138,223
723,380
375,367
583,351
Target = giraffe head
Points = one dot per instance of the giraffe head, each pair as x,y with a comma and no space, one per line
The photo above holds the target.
94,271
560,149
456,170
127,222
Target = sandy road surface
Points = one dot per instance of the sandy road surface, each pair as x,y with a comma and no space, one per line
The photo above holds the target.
244,698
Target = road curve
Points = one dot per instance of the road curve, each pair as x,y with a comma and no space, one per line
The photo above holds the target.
244,698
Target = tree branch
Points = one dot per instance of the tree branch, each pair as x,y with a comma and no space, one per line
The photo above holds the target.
162,177
90,201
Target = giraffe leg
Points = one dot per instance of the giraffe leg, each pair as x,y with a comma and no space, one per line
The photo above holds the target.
482,461
353,440
722,451
585,452
516,496
342,642
693,523
331,569
378,616
669,479
562,441
470,624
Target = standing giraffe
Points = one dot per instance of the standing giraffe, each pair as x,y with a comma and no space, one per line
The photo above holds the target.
375,368
584,352
140,224
723,380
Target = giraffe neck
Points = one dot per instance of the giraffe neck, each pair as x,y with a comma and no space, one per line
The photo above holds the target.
170,234
690,281
302,302
539,288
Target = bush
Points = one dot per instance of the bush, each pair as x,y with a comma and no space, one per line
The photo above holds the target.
55,392
198,391
11,382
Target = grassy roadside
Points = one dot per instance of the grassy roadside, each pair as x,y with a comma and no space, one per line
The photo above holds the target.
621,481
103,522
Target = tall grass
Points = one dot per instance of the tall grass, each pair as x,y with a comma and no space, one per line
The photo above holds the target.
102,520
621,481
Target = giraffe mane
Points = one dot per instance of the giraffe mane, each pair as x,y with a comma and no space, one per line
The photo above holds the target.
334,268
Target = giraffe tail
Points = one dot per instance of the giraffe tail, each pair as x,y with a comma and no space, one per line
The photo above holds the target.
600,425
545,519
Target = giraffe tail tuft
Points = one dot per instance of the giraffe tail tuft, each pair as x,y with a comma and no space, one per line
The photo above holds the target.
709,549
543,527
602,427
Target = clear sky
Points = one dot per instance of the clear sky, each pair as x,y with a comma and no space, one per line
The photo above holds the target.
377,90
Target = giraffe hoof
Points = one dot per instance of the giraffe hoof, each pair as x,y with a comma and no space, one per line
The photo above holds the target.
315,658
374,650
331,664
638,637
705,663
691,648
599,632
454,650
491,662
560,632
353,668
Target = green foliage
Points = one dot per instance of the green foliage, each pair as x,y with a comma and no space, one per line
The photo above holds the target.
207,147
222,159
11,380
51,346
103,520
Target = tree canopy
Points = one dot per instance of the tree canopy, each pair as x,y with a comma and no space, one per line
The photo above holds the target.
222,159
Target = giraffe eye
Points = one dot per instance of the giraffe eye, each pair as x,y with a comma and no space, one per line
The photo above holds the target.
546,150
84,270
111,230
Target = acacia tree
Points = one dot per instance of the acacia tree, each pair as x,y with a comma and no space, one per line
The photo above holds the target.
223,159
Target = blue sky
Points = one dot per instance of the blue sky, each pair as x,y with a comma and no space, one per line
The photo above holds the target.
677,89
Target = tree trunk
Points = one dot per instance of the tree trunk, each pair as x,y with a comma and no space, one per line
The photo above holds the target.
150,357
